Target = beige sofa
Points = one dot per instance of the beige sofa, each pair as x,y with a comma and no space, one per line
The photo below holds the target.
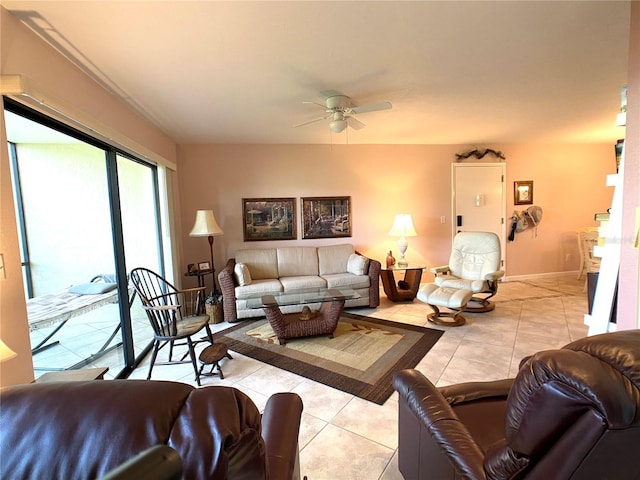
264,271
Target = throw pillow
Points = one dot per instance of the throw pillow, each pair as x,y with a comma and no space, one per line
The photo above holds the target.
92,288
357,264
241,272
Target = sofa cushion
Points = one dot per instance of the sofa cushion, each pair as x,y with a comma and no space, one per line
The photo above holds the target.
297,261
357,264
241,272
334,258
347,280
259,287
302,282
262,262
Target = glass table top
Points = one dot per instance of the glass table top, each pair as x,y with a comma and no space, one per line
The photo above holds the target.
301,297
400,268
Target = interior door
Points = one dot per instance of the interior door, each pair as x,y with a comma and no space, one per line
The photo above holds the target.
479,199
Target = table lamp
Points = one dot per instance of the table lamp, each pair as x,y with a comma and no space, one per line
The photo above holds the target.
403,227
206,226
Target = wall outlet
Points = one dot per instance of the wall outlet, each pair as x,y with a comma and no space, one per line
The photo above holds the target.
443,219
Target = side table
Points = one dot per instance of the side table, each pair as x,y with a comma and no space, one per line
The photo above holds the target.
406,289
201,274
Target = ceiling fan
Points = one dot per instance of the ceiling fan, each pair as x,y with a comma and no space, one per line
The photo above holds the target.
340,109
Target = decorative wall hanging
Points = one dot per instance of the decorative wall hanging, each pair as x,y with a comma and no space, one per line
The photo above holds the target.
269,219
326,217
524,219
523,193
479,154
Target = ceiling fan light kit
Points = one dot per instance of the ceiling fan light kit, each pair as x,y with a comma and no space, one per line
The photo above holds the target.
340,109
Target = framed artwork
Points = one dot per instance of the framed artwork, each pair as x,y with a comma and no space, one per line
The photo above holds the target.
269,219
523,192
326,217
204,266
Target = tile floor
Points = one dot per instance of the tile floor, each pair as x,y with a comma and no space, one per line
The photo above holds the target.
345,437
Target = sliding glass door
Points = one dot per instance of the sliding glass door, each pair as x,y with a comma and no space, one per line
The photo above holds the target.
87,215
138,193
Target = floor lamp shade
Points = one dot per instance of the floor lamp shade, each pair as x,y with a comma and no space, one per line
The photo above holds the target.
205,225
5,352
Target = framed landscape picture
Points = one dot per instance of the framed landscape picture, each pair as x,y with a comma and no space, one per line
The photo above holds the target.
326,217
269,219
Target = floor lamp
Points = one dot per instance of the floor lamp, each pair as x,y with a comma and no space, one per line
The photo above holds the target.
206,226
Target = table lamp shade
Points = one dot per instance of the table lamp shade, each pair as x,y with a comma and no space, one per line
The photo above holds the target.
205,225
5,352
403,226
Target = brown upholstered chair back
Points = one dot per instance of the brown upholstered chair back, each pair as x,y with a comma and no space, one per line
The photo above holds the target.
571,413
82,430
569,410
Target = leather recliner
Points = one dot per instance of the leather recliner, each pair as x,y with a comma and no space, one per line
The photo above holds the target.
572,413
475,265
83,430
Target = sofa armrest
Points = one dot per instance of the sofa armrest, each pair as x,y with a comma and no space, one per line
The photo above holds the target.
438,419
280,428
228,289
374,282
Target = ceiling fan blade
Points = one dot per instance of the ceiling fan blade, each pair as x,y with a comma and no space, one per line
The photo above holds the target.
355,123
373,107
312,121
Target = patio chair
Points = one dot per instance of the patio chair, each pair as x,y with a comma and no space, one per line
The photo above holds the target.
174,315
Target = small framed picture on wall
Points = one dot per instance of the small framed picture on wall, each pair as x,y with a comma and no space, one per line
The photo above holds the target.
523,192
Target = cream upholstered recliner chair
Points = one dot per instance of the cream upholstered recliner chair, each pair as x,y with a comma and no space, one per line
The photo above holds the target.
474,265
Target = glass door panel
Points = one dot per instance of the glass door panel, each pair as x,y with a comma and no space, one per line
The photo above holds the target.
67,246
82,209
140,230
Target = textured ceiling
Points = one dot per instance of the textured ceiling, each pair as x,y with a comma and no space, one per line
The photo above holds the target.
473,73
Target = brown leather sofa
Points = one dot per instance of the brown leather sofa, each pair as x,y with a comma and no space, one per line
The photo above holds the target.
572,413
82,430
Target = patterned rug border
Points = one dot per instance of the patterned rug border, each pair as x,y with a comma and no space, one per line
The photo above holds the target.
377,392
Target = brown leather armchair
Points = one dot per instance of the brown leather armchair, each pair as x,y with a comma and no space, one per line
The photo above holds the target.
572,413
82,430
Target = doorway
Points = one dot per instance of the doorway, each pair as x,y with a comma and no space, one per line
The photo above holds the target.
479,200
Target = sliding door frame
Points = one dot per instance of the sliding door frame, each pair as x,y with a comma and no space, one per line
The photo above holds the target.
111,154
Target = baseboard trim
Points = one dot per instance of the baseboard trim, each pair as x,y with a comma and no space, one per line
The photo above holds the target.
535,276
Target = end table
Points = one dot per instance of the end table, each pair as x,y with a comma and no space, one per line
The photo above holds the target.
411,282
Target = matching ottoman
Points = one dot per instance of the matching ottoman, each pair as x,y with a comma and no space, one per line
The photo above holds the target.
451,298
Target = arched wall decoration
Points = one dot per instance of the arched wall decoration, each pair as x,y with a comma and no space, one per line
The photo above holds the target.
479,154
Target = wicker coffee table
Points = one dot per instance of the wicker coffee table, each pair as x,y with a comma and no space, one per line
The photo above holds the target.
295,325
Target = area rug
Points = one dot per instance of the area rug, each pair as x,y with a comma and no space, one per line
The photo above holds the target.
361,358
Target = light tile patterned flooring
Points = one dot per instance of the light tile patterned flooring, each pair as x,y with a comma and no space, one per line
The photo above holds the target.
345,437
